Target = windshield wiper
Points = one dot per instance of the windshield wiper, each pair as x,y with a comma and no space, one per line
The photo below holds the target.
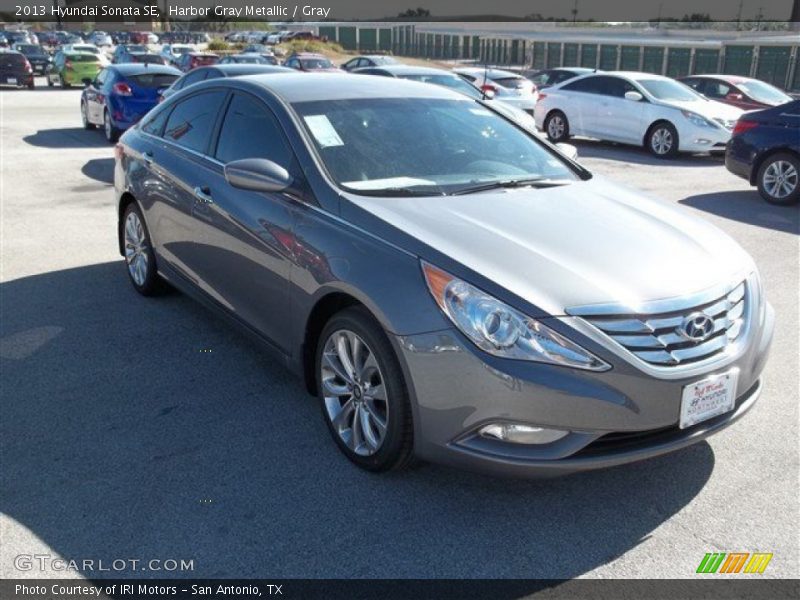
398,192
537,182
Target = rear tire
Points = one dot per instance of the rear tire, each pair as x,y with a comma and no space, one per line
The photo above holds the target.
556,126
111,132
85,117
362,392
139,256
662,140
778,179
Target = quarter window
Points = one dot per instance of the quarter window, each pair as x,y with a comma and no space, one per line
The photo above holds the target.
191,121
250,131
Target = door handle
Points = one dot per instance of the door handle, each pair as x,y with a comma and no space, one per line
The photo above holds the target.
203,195
147,158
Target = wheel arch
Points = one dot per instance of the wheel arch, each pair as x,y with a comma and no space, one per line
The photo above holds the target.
646,137
325,307
125,200
764,156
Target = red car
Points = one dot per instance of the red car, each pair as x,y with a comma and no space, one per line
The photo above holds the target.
192,60
743,92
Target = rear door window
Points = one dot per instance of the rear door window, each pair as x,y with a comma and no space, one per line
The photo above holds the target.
192,120
589,85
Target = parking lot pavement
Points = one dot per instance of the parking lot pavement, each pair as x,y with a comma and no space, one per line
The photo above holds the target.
146,428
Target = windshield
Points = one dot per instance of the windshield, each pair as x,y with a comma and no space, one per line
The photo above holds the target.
82,58
437,146
181,49
92,49
136,48
453,82
316,63
31,50
512,83
763,92
153,80
668,90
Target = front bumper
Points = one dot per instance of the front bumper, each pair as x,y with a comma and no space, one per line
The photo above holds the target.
692,138
615,417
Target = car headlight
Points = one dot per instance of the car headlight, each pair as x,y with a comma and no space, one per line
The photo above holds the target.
696,119
500,330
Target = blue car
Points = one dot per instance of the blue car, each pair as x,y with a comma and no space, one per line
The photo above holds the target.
765,149
121,95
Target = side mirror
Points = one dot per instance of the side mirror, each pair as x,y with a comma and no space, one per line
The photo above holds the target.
257,174
634,96
568,150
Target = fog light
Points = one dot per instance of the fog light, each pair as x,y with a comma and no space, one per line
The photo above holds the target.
521,434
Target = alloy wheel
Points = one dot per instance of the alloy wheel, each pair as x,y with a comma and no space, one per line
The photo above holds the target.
136,249
780,179
661,141
556,127
354,392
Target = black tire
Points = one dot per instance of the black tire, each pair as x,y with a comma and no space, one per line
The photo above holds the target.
556,126
111,132
396,450
773,165
152,284
662,140
85,117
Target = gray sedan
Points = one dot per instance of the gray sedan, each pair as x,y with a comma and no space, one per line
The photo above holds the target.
448,285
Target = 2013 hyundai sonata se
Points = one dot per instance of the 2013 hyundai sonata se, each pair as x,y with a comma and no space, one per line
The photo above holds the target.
450,286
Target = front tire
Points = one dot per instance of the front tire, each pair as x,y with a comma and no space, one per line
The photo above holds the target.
111,132
363,393
779,179
556,126
139,256
662,140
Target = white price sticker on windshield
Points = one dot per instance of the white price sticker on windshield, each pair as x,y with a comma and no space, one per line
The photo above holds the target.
323,131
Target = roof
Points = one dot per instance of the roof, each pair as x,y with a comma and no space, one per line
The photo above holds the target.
491,73
235,69
727,78
140,68
401,70
301,87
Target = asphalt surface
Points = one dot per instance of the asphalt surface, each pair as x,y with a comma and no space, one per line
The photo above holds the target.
133,428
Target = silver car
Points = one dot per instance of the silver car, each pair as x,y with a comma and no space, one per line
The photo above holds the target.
450,286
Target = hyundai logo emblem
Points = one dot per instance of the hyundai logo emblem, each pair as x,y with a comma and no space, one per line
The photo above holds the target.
696,327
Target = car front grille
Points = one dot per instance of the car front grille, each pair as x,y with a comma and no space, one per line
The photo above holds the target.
662,338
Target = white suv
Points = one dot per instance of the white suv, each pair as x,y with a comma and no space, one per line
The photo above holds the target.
661,114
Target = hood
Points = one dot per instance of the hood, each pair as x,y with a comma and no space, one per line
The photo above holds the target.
589,242
710,109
